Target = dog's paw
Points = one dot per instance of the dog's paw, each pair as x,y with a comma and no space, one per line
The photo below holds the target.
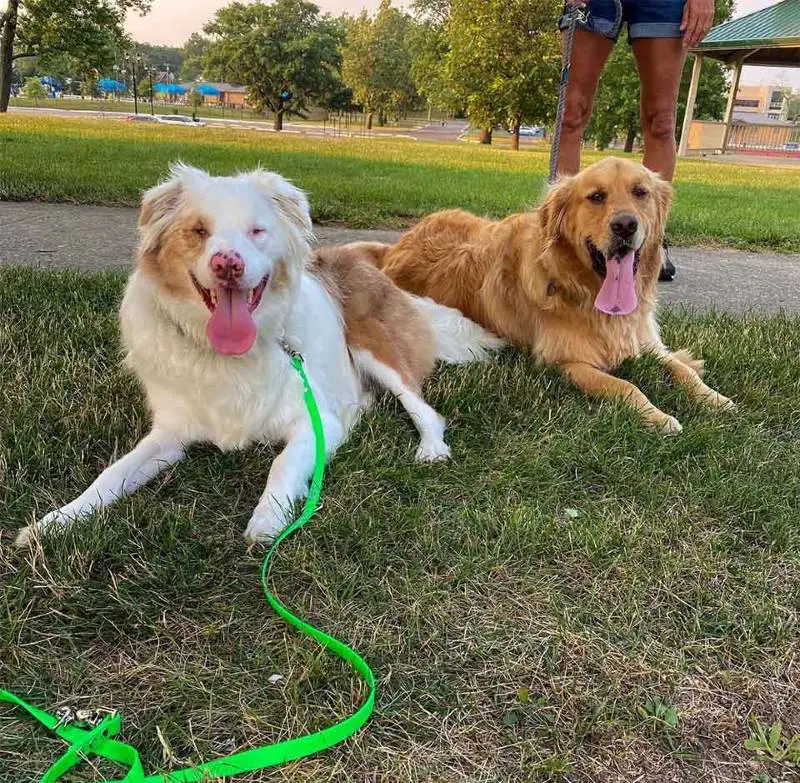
266,523
433,451
670,426
25,537
55,519
719,401
663,424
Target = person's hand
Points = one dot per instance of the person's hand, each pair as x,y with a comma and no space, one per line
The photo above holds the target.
698,16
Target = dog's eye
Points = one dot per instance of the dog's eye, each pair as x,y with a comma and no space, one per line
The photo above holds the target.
639,191
598,197
257,231
200,231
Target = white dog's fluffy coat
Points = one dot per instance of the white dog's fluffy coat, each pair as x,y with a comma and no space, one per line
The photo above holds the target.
223,277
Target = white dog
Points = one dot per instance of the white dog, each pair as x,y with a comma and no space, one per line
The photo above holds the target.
225,278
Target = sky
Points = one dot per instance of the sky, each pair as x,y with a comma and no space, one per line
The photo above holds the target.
171,22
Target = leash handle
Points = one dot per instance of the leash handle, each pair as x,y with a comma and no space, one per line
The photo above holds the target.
577,12
99,741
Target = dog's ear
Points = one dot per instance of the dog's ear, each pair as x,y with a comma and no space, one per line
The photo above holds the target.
553,210
662,192
160,205
290,200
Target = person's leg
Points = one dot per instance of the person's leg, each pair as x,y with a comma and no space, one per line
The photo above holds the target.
660,63
660,58
590,51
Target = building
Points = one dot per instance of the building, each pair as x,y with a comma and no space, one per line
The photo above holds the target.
767,100
232,96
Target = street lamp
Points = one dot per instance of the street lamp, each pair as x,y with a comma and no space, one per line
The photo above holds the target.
150,76
135,61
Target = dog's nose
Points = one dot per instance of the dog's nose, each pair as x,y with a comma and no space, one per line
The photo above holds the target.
227,267
624,226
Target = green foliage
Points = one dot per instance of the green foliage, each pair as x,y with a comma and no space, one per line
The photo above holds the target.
376,62
159,57
712,91
429,48
616,106
34,88
193,57
772,744
285,45
501,60
89,31
195,98
793,108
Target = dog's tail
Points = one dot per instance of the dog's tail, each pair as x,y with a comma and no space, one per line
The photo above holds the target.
374,252
458,340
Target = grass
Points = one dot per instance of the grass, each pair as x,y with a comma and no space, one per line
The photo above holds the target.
571,599
371,182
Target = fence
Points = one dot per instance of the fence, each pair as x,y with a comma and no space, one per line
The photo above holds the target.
764,138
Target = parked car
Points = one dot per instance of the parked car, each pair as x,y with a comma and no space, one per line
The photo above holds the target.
532,131
142,118
180,119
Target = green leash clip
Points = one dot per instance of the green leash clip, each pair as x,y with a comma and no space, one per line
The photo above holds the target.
99,742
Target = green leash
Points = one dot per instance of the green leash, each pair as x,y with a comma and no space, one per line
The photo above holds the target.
98,741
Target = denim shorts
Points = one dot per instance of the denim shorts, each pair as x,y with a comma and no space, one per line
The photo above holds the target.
645,18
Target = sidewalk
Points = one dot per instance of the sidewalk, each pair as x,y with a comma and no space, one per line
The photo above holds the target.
94,238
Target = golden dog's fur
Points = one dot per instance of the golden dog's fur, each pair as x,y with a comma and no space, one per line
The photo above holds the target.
529,278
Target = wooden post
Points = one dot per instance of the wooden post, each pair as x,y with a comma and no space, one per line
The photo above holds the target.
690,101
737,73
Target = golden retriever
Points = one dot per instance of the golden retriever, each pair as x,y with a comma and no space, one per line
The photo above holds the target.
574,281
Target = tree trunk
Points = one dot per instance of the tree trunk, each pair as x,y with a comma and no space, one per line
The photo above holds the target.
515,135
9,30
630,139
278,126
369,120
381,119
486,136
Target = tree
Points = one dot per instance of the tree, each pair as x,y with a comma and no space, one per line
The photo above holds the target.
616,105
793,107
86,29
286,53
194,53
376,62
33,88
161,58
428,47
504,60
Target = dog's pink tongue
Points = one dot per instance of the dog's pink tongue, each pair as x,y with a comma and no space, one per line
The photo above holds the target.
231,329
618,293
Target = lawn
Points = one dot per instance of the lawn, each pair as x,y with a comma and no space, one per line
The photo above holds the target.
537,610
374,181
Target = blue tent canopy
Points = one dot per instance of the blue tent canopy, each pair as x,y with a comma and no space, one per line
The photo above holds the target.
52,81
206,89
169,89
112,85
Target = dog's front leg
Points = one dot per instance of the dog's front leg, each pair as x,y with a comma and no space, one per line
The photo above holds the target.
151,455
288,478
594,381
685,370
